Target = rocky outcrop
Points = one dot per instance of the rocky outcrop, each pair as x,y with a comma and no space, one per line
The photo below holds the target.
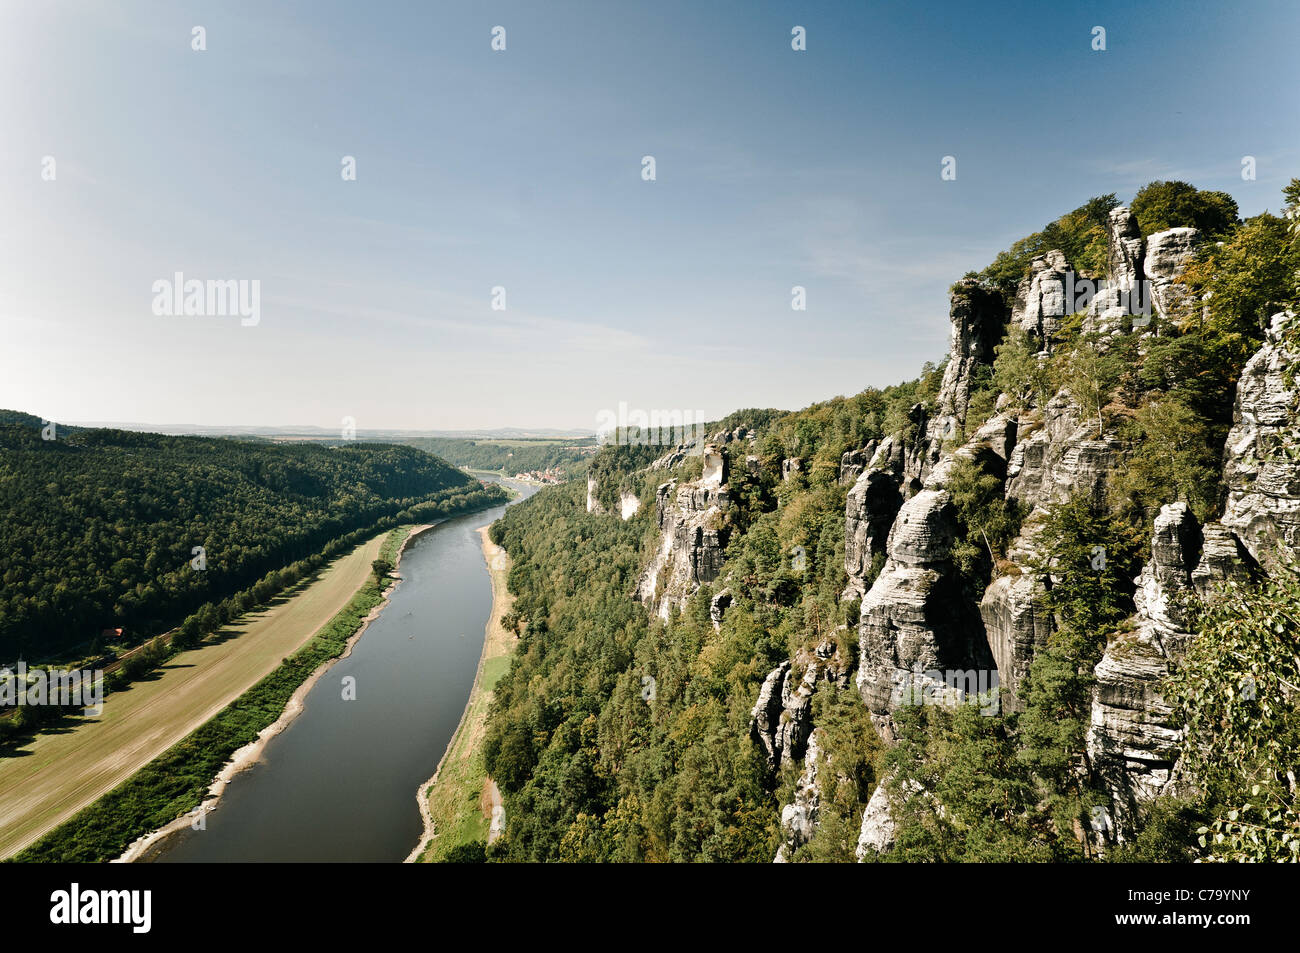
718,607
879,829
869,511
790,466
1168,253
1223,560
854,462
1133,737
1058,456
1041,304
765,724
1123,294
978,317
1015,621
629,504
911,619
781,719
692,537
799,818
1124,249
1263,508
593,504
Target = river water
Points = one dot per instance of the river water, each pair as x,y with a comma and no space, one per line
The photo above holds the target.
339,783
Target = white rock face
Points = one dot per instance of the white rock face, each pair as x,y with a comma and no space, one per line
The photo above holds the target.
593,505
799,818
879,831
693,537
1168,254
1125,248
713,467
629,504
1040,305
1263,508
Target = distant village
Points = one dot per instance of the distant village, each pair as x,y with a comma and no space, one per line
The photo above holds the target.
548,477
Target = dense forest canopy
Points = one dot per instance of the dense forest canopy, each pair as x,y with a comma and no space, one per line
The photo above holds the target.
100,526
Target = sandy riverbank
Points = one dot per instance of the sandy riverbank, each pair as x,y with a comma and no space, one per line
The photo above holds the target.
460,770
249,754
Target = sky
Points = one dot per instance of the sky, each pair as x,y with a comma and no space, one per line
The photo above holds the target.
522,169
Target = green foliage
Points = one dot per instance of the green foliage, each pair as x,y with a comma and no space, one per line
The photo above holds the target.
1167,835
1238,285
851,752
1237,691
1163,205
959,793
473,853
615,467
1090,373
1090,558
988,521
1019,373
1174,457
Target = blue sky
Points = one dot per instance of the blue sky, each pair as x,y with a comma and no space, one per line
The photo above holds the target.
522,169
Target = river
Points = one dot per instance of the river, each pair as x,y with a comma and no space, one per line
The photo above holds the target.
339,783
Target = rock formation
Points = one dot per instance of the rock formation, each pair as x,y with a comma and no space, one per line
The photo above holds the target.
1168,253
799,817
1041,306
978,317
1263,508
781,719
692,537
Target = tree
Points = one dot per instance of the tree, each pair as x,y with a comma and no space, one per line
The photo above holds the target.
381,568
1173,458
1163,205
1019,373
1239,285
1087,559
1090,375
1237,692
959,793
987,518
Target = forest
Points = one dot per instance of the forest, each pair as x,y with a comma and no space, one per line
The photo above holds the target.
108,529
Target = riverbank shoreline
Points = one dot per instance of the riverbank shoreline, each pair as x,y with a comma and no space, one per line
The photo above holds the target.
465,743
250,754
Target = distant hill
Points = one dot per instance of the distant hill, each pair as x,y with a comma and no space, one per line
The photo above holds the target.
312,432
97,527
